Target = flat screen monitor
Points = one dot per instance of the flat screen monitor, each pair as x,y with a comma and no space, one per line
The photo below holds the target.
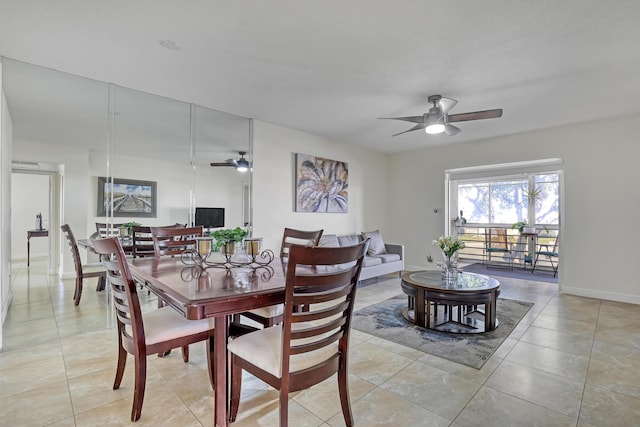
210,217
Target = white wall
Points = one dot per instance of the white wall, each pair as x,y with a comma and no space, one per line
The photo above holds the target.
29,196
599,245
6,136
274,151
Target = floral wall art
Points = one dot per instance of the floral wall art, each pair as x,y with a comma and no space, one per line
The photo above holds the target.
322,185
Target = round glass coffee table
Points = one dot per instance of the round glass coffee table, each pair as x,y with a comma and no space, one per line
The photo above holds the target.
435,304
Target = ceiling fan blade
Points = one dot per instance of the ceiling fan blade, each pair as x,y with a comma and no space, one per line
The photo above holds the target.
451,129
413,119
222,164
416,127
476,115
446,104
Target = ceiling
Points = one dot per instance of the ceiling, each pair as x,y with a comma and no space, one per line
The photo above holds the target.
333,67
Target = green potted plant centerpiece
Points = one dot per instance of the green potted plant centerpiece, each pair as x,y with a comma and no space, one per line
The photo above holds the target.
226,238
126,229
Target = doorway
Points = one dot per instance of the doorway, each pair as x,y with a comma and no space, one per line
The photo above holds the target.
33,193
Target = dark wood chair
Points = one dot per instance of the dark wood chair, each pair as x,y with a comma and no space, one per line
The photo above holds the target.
83,271
107,230
298,237
155,332
142,240
174,241
309,346
272,315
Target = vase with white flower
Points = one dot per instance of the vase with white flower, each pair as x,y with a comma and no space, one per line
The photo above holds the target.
449,245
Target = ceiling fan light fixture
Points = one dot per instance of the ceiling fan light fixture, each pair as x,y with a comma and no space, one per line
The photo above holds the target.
242,165
434,126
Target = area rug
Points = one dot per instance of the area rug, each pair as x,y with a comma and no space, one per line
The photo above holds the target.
516,273
384,320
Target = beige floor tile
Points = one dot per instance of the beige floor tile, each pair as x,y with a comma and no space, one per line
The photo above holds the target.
561,324
433,389
262,409
616,368
620,310
476,375
551,391
381,408
493,408
553,361
375,364
323,399
39,406
570,343
602,407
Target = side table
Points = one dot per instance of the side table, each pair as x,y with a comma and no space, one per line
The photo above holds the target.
34,233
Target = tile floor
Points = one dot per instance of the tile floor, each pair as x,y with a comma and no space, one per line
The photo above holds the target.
571,362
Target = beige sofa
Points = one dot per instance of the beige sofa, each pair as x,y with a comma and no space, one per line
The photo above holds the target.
378,261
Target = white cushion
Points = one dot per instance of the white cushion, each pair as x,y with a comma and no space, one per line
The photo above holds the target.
388,257
166,323
270,311
263,348
349,240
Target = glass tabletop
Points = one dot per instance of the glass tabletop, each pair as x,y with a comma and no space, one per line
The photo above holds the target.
466,281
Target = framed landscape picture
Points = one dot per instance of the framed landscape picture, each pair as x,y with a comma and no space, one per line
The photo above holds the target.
322,185
131,198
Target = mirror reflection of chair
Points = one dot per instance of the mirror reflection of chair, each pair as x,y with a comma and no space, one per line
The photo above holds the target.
309,346
174,241
83,271
496,245
550,252
142,240
156,331
107,230
272,315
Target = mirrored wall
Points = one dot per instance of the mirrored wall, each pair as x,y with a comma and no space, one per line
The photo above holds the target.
85,132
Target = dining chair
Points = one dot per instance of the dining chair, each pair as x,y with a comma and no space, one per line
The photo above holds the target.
550,251
174,241
107,230
142,240
155,332
496,243
309,346
272,315
83,271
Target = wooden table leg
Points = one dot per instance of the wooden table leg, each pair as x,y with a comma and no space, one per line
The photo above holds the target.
418,310
220,397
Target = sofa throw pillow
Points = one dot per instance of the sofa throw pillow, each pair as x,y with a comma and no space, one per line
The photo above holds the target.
329,241
349,240
376,245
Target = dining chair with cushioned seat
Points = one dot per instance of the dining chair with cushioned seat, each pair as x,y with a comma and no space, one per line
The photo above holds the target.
142,240
83,271
272,315
309,346
140,335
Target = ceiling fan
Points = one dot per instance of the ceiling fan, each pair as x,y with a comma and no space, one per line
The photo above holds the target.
438,119
241,164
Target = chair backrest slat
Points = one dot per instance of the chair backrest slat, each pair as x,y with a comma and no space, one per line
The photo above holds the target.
174,241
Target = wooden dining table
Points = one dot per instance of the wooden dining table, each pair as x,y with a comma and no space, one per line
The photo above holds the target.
213,292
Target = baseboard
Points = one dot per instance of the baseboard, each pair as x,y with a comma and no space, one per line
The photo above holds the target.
594,293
